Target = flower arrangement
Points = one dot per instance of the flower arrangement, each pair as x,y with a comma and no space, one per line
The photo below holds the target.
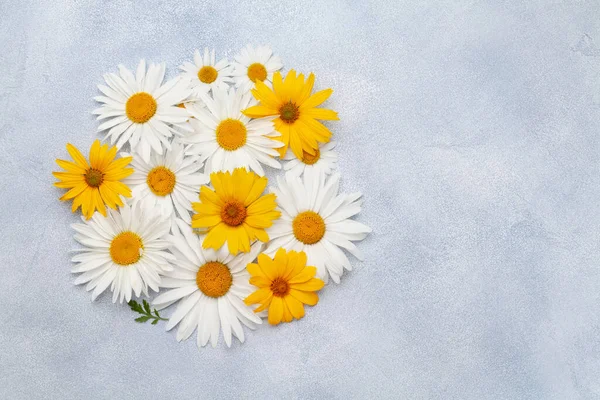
182,209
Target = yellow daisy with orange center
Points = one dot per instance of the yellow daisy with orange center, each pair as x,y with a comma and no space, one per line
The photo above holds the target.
284,284
292,102
96,183
235,211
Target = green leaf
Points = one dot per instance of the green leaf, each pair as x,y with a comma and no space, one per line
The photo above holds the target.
146,312
147,307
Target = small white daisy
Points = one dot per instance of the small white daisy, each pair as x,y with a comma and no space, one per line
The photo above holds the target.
205,73
227,139
168,183
254,63
316,219
140,110
210,287
125,250
323,161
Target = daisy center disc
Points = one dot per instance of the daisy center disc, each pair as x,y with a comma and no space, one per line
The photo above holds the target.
309,227
310,159
126,248
233,213
257,71
93,177
161,181
231,134
140,107
280,287
214,279
207,74
289,112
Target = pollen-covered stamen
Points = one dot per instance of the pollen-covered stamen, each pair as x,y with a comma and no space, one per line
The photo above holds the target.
161,181
207,74
280,287
233,213
93,177
309,227
289,112
140,107
257,71
231,134
126,248
214,279
310,159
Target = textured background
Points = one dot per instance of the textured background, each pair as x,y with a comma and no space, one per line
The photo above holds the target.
471,127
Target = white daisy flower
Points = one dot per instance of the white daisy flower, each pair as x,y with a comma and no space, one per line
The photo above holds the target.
168,183
210,287
324,161
227,139
206,74
125,250
254,63
140,110
316,219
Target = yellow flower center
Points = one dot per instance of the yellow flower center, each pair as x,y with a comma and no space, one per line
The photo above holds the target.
233,213
257,71
207,74
140,107
126,248
309,227
280,287
214,279
161,181
289,112
93,177
310,159
231,134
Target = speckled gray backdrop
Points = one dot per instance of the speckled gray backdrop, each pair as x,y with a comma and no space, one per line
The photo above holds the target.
472,128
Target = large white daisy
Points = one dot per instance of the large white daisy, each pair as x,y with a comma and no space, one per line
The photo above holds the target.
210,287
125,250
253,64
316,219
323,161
227,139
140,110
168,183
205,73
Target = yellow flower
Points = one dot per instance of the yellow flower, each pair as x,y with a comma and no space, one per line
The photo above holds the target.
284,284
94,184
292,102
235,211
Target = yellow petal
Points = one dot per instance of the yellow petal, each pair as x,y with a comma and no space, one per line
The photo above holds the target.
71,167
316,99
310,298
305,274
266,96
95,155
312,285
321,113
275,311
77,156
295,306
258,296
287,315
76,191
267,265
259,112
260,281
